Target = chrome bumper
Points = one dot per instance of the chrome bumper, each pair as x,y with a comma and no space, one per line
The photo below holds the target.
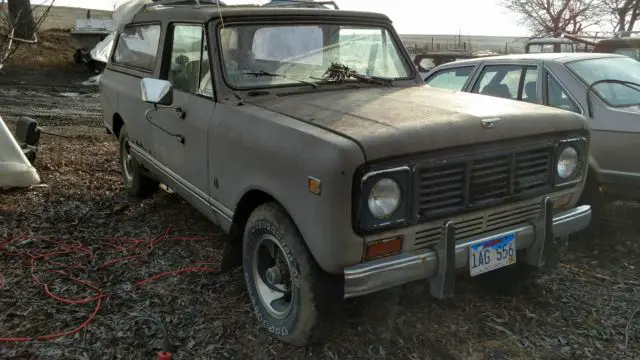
440,264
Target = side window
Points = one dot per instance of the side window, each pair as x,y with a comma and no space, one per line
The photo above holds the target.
450,79
189,68
530,88
557,97
138,47
504,81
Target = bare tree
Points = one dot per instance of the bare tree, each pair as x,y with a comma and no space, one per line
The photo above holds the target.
624,13
18,25
553,17
21,16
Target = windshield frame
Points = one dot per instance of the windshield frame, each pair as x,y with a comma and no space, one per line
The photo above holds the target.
594,90
392,36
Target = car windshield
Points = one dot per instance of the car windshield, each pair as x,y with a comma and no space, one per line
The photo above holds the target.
611,68
295,54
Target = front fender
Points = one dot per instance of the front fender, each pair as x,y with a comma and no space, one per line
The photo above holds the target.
253,148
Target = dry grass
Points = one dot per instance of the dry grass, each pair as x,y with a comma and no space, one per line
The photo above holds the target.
581,310
54,50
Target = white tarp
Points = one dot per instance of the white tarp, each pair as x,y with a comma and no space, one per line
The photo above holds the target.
15,169
121,16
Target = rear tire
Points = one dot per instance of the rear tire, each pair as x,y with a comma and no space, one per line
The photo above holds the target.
294,305
135,182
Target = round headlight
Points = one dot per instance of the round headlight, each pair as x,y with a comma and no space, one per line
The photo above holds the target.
568,162
384,198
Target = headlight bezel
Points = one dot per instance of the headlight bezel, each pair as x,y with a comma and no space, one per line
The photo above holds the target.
367,222
580,145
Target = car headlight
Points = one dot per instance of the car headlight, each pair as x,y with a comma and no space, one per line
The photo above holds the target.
568,162
384,198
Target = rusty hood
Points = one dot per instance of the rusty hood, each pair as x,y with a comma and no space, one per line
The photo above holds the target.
391,121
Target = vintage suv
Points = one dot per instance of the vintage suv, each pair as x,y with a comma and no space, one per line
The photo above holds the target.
309,137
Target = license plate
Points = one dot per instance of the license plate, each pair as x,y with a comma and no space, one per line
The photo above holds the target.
492,254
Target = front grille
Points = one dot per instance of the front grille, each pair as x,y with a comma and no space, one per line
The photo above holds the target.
490,221
451,187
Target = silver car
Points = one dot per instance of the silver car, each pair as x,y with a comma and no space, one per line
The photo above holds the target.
562,80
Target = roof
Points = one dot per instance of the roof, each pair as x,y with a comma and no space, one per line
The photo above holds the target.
557,57
206,12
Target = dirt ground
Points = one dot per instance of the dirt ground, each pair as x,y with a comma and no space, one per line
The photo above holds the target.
586,308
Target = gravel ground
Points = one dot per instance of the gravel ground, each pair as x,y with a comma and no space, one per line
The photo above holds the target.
586,308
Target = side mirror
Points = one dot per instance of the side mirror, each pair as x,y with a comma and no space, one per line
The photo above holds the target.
156,91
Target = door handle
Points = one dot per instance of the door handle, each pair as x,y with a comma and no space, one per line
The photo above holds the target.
181,114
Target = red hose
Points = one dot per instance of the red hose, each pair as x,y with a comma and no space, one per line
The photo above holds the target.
142,247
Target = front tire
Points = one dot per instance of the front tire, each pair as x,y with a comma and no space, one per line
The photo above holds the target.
292,298
135,182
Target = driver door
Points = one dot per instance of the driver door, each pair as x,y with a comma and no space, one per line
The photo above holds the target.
180,134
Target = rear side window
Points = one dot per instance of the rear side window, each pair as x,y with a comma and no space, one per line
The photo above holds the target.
558,98
450,79
137,47
508,81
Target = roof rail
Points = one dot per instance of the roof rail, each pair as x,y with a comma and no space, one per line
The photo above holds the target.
301,3
184,2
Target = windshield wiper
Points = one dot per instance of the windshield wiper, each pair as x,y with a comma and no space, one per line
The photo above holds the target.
629,84
265,73
339,73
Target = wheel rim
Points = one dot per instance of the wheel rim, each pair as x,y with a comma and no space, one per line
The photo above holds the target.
127,162
272,276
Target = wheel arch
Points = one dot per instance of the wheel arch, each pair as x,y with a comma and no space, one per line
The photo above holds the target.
249,201
117,122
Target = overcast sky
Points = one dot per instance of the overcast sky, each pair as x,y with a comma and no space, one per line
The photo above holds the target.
408,16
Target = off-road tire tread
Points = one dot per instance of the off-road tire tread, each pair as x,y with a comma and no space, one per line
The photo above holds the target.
326,290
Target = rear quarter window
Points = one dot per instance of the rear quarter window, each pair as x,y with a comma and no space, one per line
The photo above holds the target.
450,79
137,47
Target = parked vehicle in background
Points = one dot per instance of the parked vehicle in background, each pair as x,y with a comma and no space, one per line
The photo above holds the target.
428,60
624,46
624,43
308,136
562,81
549,45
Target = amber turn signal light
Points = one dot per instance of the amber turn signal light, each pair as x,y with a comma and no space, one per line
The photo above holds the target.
384,247
314,186
562,202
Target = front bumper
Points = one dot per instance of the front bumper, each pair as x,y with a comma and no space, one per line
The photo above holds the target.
440,263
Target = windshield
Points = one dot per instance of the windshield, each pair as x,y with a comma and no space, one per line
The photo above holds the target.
611,68
305,52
